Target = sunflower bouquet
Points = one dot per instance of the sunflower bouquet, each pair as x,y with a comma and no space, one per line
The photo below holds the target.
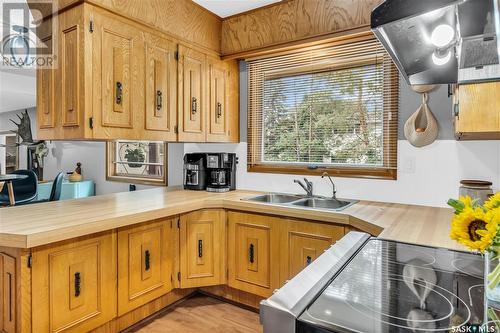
478,227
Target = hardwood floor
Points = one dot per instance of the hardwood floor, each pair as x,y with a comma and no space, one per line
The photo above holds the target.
202,314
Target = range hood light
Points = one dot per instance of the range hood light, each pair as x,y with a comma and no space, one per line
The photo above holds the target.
442,35
441,59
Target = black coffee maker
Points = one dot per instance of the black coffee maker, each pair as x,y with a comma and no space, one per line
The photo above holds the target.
195,174
214,172
221,172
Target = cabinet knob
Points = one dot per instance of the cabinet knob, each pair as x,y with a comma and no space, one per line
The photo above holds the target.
77,284
194,105
219,110
251,254
147,260
159,100
308,260
200,248
119,93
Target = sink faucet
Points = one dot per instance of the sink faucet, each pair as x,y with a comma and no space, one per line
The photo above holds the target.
308,186
325,174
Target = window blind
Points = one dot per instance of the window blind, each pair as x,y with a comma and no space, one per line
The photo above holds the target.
330,108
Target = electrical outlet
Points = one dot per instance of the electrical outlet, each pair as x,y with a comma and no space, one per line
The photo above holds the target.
408,164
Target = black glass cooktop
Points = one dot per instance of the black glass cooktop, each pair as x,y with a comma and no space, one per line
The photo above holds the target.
394,287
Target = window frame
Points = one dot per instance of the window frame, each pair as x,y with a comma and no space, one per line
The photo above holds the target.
110,166
390,141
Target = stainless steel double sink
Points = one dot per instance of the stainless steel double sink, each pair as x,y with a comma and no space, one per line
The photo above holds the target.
316,203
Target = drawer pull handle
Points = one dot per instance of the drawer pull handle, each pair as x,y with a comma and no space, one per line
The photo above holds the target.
147,260
219,110
200,248
251,254
194,105
159,100
308,260
77,284
119,93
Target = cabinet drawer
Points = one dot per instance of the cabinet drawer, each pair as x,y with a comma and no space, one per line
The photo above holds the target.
74,285
145,256
253,253
202,248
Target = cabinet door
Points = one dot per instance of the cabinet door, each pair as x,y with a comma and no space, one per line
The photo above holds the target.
45,95
161,89
202,248
304,242
74,285
223,118
253,253
479,111
61,91
217,124
8,293
118,50
192,95
145,257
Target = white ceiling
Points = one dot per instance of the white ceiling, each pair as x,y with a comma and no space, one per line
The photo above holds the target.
225,8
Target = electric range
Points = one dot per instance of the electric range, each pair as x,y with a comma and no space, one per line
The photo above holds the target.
365,284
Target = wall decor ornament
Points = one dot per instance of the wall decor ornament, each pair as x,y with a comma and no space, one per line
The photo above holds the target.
422,128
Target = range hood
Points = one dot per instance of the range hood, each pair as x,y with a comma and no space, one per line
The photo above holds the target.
441,41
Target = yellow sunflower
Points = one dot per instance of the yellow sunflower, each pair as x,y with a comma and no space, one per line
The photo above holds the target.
475,228
467,201
493,202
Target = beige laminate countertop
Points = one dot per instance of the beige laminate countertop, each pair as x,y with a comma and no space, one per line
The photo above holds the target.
40,224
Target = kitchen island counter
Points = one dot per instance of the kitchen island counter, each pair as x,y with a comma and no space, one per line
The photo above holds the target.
42,224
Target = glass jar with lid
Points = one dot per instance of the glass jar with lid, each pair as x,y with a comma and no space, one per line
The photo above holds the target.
476,189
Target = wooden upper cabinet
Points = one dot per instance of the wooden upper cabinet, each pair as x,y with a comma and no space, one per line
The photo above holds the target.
117,66
192,93
74,284
303,242
118,79
145,262
218,116
202,248
223,118
253,253
63,101
161,88
478,115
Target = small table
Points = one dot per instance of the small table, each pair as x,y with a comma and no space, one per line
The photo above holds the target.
8,179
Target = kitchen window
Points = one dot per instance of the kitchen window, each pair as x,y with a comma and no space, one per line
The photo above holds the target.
141,162
330,108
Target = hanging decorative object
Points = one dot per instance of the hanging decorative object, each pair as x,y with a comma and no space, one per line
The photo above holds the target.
422,128
24,131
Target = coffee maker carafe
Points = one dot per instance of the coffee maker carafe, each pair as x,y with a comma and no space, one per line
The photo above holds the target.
221,172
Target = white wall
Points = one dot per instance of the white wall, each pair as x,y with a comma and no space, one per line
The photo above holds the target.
63,156
426,176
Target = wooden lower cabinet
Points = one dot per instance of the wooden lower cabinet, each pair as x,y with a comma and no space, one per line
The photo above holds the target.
203,248
8,294
303,242
74,284
253,253
145,262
